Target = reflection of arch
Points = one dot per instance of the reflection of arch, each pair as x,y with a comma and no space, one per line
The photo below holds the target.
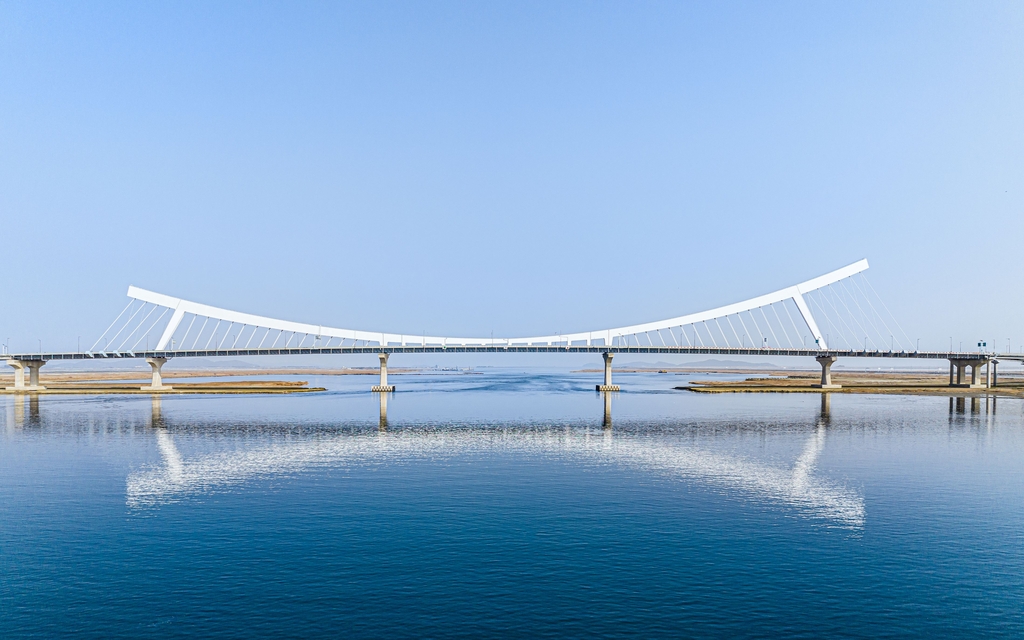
796,487
175,468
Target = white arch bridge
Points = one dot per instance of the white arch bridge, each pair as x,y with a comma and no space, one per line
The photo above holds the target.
838,314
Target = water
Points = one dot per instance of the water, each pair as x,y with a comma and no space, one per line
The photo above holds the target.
500,504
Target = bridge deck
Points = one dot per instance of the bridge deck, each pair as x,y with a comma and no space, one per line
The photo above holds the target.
395,349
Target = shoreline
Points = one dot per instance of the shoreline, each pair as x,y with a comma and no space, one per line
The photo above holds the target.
888,383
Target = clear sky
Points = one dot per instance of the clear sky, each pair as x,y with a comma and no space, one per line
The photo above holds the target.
521,168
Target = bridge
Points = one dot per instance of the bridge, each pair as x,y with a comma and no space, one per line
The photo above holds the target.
835,315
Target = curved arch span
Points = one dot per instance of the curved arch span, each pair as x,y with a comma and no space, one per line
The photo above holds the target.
789,296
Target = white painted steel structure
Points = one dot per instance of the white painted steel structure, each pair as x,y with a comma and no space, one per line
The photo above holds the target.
197,326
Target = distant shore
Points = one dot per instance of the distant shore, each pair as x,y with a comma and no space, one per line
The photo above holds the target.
230,381
856,382
182,382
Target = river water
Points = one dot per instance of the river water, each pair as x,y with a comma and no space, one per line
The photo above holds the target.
512,503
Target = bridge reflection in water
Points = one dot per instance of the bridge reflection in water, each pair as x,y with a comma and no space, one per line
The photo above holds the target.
795,486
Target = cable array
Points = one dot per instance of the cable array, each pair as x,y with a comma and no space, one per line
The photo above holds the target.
840,310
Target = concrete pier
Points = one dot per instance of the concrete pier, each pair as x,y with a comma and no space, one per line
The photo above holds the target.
608,386
33,375
826,363
158,382
975,364
383,387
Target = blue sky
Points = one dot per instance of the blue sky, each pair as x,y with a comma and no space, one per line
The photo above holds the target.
521,168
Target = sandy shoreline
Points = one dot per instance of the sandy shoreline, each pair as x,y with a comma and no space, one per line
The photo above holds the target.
761,381
856,382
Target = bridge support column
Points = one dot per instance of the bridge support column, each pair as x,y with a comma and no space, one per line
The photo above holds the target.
975,364
158,382
33,375
383,387
826,363
608,386
995,375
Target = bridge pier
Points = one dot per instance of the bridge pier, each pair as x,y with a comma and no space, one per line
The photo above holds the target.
608,386
960,364
33,375
383,387
158,382
826,363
